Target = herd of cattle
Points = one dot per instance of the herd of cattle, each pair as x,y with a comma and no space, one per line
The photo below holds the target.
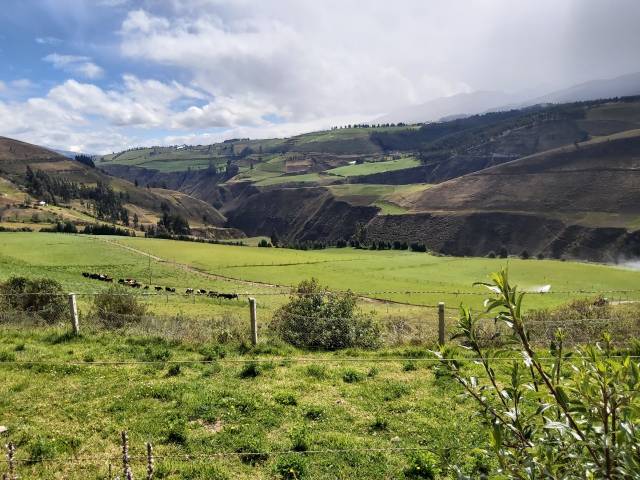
130,282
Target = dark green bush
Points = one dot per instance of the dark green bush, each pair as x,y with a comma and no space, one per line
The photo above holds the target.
352,376
117,307
422,465
40,296
317,318
250,370
292,467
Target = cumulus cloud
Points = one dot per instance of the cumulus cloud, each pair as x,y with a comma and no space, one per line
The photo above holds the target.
285,65
79,64
75,110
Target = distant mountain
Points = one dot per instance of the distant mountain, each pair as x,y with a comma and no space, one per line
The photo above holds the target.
464,104
461,104
623,86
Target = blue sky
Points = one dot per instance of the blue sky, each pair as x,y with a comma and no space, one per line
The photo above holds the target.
103,75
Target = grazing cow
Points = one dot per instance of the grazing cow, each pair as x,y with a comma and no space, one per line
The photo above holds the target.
201,291
171,289
189,291
228,296
158,289
85,274
146,287
212,294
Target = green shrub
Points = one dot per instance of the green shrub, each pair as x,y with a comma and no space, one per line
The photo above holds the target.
409,367
291,467
116,308
352,376
286,398
379,424
156,353
250,370
39,296
319,372
300,440
585,423
314,413
252,451
422,465
316,318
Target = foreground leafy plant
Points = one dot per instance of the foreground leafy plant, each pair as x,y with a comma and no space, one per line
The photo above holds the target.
573,419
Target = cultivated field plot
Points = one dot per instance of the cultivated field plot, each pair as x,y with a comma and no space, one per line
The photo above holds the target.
374,167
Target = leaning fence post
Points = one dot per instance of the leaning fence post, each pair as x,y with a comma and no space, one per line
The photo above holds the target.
254,321
441,323
73,307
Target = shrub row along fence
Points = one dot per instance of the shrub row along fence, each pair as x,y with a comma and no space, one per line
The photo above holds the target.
582,321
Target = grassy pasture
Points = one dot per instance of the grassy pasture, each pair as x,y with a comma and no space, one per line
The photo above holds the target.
65,256
320,403
398,271
374,167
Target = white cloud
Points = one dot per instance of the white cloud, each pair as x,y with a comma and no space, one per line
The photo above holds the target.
76,113
48,40
79,64
291,67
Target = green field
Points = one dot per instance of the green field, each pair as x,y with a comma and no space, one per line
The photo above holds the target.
370,273
67,418
303,178
368,168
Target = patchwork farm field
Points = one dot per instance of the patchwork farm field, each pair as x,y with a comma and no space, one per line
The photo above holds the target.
216,407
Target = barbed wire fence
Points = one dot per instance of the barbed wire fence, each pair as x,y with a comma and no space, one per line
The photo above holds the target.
435,321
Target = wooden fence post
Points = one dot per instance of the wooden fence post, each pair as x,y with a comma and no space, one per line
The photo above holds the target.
254,321
126,467
73,307
441,340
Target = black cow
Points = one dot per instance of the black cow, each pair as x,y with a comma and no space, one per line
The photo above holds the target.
228,296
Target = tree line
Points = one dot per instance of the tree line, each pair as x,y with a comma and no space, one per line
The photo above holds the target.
108,204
